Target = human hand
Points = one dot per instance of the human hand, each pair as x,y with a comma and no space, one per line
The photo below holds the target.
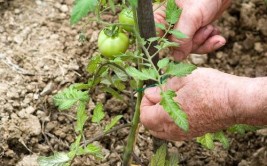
195,22
203,95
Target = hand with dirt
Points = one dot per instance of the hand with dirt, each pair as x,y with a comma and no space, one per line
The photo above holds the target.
195,22
212,100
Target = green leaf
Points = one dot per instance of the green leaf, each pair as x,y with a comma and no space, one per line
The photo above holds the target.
69,97
180,69
133,3
93,64
58,159
112,92
160,157
206,140
93,83
163,63
75,148
160,26
112,5
94,150
222,138
81,117
119,85
98,114
178,34
143,41
242,128
121,75
133,84
173,109
152,39
173,13
113,122
168,44
174,160
145,74
81,9
80,86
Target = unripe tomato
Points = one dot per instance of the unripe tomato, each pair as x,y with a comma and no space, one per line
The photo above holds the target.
112,42
126,17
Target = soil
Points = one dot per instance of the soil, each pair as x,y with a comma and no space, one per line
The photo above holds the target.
40,54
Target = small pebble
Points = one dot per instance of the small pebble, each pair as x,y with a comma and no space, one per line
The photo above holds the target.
64,8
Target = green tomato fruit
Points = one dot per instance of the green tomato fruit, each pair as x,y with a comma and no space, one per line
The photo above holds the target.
112,42
126,17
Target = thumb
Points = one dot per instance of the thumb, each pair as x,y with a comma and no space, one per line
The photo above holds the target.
153,95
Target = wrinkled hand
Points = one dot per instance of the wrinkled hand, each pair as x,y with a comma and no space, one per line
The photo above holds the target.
195,22
203,95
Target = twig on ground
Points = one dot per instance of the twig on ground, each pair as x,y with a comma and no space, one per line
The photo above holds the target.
13,66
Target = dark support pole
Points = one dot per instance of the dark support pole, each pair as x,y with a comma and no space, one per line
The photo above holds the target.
146,24
147,30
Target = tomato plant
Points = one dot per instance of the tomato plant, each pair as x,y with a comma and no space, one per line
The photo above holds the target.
112,42
118,72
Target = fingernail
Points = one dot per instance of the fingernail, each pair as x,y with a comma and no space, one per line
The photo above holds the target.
218,45
150,91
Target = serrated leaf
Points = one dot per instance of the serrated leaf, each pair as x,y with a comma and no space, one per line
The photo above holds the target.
94,150
112,5
219,136
80,86
172,12
133,84
81,9
174,160
128,56
152,39
160,157
180,69
112,92
178,34
206,140
81,117
242,128
119,85
160,26
168,44
113,122
173,109
58,159
145,74
69,97
93,64
143,41
98,113
75,147
163,63
121,75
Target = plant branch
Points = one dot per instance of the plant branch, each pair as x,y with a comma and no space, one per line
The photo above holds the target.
101,135
131,141
134,129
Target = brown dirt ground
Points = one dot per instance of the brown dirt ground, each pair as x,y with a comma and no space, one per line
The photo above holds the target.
40,54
